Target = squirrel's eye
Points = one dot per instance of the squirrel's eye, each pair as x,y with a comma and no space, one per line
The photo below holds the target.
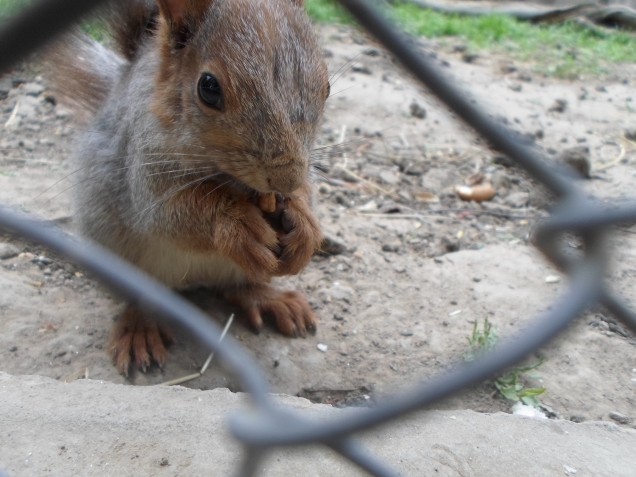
210,91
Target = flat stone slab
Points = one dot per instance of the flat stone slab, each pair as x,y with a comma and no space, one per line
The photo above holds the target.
94,428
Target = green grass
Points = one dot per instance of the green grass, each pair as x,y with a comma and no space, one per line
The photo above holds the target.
564,50
510,384
326,11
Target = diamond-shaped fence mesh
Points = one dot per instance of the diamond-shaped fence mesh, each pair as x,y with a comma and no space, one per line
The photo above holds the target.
268,426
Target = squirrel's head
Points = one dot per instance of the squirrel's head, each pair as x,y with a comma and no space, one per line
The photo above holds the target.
246,81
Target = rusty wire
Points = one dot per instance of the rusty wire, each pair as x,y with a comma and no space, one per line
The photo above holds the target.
267,426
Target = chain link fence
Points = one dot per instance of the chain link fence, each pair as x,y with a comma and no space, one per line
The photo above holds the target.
267,426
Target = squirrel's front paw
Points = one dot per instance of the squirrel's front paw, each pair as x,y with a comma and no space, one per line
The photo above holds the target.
139,338
250,241
302,236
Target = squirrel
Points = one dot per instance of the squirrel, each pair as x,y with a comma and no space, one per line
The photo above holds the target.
196,166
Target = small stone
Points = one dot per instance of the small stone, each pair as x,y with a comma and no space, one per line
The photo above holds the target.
578,158
620,418
389,177
8,250
601,89
616,328
417,111
330,246
469,57
324,188
322,347
392,246
459,48
406,333
552,279
630,133
517,199
516,87
361,69
559,106
43,260
13,349
502,160
578,418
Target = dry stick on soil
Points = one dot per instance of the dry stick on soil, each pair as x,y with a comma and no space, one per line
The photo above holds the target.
502,215
190,377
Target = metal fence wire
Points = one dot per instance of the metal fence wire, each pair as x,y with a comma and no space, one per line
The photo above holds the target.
268,425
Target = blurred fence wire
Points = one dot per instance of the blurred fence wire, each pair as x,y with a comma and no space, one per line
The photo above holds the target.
268,426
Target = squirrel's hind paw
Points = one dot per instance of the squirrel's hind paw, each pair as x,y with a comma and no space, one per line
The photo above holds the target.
139,338
291,312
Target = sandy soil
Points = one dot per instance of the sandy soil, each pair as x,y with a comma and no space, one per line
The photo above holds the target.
420,265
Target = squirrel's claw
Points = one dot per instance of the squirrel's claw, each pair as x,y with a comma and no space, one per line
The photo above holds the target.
291,312
139,337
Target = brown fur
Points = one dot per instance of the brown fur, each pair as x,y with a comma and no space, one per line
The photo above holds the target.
172,184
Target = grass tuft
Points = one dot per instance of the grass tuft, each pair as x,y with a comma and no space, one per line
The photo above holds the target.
510,384
565,50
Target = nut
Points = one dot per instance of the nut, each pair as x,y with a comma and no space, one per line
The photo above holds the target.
478,193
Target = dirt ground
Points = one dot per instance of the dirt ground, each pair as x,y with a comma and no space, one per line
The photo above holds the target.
419,266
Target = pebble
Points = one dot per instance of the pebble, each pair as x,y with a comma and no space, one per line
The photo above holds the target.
578,158
469,57
417,111
620,418
361,69
552,279
330,246
630,133
322,347
559,106
324,188
13,349
8,250
616,328
517,199
392,246
389,177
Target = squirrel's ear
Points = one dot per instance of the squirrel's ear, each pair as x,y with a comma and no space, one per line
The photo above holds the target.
181,16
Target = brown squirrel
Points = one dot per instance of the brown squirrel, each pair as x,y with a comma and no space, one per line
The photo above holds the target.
196,167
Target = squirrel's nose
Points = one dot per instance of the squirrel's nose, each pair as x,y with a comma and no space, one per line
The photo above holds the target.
285,183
